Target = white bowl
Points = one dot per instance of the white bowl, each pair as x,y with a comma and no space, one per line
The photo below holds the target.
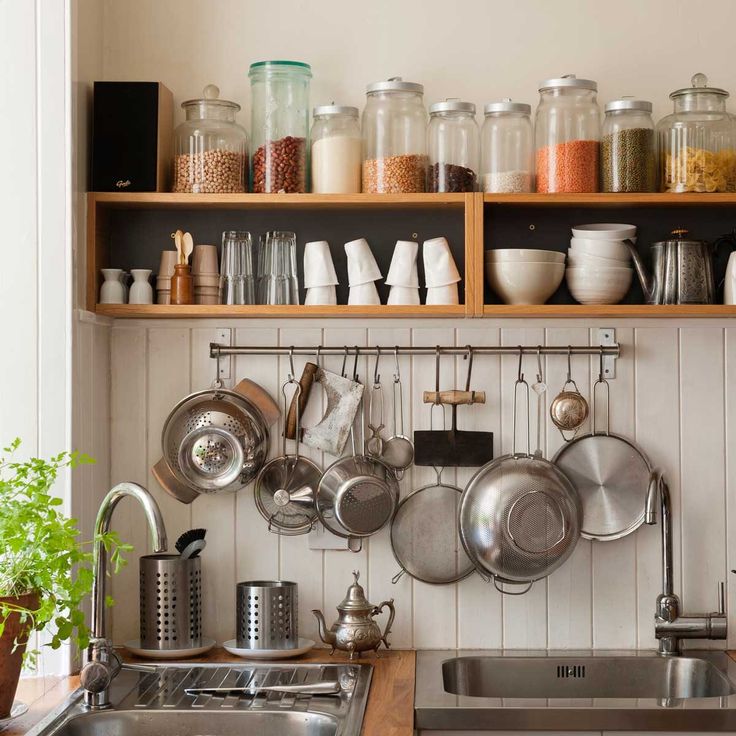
590,285
524,255
604,231
613,249
524,283
581,260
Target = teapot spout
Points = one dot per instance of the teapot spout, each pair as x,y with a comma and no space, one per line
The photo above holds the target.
327,636
645,278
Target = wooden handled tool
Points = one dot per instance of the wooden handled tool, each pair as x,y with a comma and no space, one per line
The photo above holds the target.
305,382
454,398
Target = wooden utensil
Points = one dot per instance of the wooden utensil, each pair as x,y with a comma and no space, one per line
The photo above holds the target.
187,247
178,235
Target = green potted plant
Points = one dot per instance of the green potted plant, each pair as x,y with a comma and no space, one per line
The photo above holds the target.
45,569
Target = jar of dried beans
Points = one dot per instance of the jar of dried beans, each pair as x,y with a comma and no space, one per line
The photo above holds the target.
697,142
279,125
453,145
628,151
568,130
508,147
211,149
394,137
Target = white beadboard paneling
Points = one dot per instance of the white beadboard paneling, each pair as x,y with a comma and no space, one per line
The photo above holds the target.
730,438
475,594
524,616
657,430
614,564
703,461
569,587
434,614
129,437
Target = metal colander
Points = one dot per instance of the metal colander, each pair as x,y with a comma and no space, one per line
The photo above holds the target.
425,538
215,440
519,515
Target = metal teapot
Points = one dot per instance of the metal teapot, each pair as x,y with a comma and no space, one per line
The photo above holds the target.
682,271
355,630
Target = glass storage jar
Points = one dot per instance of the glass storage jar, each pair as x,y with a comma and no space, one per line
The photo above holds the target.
697,142
279,125
453,145
336,150
394,137
567,131
211,149
628,148
507,147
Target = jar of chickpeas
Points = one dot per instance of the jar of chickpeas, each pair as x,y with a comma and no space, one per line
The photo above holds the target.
697,141
211,149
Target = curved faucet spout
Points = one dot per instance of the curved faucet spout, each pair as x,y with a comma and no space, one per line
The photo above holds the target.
659,491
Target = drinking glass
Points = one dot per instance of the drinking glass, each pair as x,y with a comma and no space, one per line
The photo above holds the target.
237,282
277,270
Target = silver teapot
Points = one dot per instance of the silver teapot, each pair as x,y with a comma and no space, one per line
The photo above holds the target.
682,271
355,630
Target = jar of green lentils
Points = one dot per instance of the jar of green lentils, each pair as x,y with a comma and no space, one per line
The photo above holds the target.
628,147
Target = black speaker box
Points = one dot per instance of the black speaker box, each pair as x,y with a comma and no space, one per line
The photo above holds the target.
132,137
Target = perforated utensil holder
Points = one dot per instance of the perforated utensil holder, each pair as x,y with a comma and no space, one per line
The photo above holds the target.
171,602
267,615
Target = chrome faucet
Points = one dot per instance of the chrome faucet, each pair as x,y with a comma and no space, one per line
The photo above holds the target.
670,627
102,663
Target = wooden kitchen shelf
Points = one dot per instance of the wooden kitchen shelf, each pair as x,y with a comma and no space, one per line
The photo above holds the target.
473,222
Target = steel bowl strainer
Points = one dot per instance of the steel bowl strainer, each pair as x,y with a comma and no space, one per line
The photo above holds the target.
215,440
519,516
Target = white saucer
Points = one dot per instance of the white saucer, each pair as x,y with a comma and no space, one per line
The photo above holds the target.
134,647
304,646
16,711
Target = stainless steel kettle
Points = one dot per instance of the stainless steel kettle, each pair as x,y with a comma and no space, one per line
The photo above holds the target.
682,271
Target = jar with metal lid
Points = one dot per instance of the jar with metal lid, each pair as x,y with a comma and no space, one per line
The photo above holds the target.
697,142
279,125
336,150
211,149
507,147
567,131
394,137
628,150
453,145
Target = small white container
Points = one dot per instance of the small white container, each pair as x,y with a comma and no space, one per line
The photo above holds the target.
403,268
447,294
365,294
404,295
590,285
321,295
439,265
362,266
112,290
319,269
141,291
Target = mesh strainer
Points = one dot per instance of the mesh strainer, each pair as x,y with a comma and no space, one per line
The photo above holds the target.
519,515
215,440
424,535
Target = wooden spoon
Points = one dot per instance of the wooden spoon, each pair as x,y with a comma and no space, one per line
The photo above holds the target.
188,247
177,241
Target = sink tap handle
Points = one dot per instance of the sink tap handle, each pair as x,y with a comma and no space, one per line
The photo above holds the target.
721,598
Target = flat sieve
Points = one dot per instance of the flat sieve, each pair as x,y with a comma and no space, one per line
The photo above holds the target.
425,538
519,515
611,475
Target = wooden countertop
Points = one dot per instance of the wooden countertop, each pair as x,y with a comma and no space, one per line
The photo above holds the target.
390,709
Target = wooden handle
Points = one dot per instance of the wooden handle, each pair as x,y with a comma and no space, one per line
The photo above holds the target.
455,398
308,375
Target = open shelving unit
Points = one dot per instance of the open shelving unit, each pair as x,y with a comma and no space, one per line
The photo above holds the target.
130,229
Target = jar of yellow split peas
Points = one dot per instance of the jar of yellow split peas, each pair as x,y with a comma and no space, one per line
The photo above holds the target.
697,142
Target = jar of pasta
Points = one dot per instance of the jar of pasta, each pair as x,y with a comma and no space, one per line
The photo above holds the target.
697,142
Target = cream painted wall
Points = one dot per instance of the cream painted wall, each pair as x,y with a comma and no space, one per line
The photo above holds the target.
475,49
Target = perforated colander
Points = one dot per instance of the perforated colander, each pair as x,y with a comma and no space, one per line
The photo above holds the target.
215,440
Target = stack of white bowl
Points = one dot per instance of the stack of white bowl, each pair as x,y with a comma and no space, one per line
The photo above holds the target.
524,275
599,263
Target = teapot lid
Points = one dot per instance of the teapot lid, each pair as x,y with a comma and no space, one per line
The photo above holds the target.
355,599
679,235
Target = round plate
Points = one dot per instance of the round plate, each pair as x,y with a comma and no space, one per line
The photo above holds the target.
16,711
611,476
134,647
304,646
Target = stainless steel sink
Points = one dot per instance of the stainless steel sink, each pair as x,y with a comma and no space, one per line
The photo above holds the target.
584,677
155,704
570,691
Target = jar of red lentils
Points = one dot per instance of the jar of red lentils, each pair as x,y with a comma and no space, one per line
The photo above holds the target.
568,131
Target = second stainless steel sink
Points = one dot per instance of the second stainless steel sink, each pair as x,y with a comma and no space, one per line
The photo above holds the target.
584,677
